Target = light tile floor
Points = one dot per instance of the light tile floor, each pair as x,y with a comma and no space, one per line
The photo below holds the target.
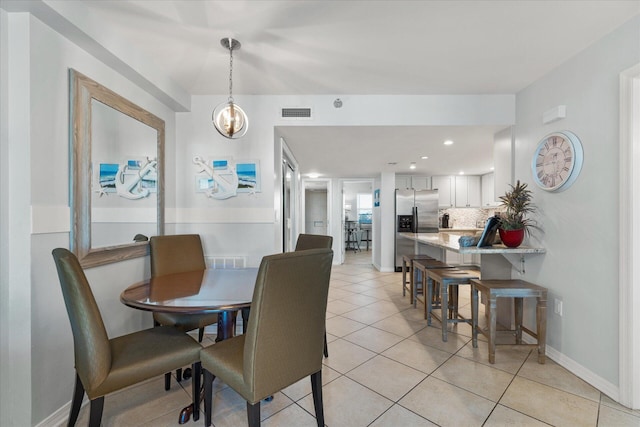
386,367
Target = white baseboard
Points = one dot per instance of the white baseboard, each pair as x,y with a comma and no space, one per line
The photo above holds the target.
60,417
580,371
611,390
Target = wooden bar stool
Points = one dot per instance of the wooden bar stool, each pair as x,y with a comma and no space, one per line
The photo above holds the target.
422,266
446,278
407,267
518,290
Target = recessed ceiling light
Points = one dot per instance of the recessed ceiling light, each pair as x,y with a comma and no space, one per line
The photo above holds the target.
424,157
491,168
461,172
412,165
448,142
313,175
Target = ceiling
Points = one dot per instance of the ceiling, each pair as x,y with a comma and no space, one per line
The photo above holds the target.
363,47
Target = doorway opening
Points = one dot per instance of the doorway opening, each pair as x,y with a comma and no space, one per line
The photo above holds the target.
289,200
316,203
357,221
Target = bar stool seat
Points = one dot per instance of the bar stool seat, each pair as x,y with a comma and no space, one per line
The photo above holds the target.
422,266
518,290
407,267
448,300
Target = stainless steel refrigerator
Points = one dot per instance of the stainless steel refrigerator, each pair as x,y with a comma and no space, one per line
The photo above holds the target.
416,212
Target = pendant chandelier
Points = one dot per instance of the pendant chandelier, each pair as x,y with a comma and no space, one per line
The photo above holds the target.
228,118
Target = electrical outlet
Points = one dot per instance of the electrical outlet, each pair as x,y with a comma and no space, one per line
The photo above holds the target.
557,307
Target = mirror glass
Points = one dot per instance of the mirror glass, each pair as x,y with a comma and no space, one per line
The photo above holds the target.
117,187
124,191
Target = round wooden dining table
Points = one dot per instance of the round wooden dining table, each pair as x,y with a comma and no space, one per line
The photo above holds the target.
223,291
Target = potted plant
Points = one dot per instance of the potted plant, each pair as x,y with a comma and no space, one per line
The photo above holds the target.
513,221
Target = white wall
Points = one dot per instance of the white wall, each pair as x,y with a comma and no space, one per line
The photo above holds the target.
5,305
315,212
580,224
15,301
43,182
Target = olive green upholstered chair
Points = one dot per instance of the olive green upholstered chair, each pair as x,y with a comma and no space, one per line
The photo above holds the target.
283,343
315,241
179,254
106,365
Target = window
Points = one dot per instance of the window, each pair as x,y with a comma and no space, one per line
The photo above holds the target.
365,208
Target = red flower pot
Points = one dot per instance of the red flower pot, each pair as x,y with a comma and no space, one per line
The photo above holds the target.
511,238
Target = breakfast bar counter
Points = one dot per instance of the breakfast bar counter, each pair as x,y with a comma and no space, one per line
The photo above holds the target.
496,262
448,240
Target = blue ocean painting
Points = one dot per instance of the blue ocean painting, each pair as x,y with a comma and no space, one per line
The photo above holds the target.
247,176
107,176
220,164
134,164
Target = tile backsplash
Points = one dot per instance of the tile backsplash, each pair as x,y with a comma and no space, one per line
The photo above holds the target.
467,217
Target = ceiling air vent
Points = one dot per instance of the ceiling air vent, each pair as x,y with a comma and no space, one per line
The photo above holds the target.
296,113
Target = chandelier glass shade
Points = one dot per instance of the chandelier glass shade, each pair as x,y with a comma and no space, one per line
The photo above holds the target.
228,118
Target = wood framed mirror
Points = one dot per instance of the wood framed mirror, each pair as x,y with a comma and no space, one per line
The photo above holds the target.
117,174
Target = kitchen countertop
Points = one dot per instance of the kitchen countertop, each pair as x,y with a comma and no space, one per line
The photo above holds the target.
448,240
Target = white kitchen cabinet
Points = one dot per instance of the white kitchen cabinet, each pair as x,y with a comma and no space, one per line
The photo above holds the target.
489,199
445,187
421,182
467,191
457,259
403,182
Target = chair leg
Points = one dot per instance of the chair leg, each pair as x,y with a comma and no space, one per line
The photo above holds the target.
95,415
195,390
208,397
200,334
76,403
326,348
179,374
316,388
245,319
167,381
253,414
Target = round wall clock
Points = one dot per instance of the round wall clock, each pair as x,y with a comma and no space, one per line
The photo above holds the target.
557,161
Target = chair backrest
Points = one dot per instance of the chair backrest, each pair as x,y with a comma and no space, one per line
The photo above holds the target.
313,241
90,340
176,254
285,334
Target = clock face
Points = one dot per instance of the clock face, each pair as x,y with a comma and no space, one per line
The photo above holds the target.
557,161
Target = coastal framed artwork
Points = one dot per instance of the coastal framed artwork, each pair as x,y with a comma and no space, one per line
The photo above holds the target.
248,176
132,179
222,178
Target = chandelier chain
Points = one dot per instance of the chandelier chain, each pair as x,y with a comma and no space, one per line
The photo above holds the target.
230,72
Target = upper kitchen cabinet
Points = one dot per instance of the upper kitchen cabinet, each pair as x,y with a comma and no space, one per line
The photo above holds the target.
445,187
421,182
467,191
403,182
489,191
